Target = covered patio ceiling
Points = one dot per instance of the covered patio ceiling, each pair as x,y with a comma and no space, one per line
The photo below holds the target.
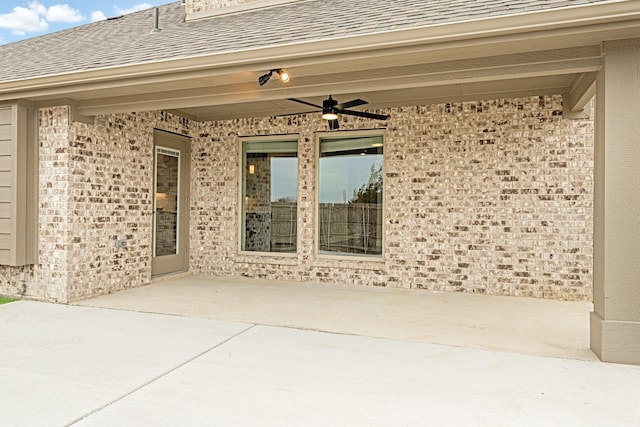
524,55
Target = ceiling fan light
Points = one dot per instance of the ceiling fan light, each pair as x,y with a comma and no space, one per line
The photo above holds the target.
329,114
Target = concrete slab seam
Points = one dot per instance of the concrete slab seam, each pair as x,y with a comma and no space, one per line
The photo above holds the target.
164,374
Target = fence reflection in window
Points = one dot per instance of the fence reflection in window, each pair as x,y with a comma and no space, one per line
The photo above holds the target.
350,196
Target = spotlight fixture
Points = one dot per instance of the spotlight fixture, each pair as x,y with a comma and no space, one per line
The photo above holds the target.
264,78
282,74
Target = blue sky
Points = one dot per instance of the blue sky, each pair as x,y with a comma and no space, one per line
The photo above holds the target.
340,176
22,19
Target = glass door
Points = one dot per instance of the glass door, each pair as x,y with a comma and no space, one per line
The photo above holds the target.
171,203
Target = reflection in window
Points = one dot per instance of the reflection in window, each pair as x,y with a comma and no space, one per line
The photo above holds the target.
167,184
270,196
350,196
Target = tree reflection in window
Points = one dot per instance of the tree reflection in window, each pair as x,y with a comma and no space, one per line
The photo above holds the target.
350,196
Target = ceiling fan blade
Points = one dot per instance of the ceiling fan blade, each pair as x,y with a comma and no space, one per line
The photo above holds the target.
304,102
296,114
364,114
334,125
352,103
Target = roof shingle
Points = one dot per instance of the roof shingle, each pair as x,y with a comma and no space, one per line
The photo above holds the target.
127,40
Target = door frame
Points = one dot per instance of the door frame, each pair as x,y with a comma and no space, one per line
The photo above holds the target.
170,264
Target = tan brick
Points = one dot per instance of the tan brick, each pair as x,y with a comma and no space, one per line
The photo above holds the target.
492,197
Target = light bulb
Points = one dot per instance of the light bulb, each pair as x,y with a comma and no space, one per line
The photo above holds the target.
284,76
329,115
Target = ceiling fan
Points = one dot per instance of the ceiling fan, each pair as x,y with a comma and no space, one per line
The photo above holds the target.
330,110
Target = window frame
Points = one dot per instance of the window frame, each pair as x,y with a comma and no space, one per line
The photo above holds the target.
241,184
316,221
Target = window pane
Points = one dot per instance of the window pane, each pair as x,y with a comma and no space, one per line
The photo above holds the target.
167,185
270,196
350,196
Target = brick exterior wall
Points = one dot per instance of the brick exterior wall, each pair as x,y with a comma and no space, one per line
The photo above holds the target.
95,187
48,279
491,197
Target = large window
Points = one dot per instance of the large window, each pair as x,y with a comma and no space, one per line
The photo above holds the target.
269,196
350,196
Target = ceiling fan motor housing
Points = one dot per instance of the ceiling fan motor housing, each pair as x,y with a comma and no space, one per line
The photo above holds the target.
329,105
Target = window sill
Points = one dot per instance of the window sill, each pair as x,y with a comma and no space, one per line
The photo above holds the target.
273,258
360,262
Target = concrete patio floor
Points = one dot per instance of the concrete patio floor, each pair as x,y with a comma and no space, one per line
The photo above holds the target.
96,366
521,325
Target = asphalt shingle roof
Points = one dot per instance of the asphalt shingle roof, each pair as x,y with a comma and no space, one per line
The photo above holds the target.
128,40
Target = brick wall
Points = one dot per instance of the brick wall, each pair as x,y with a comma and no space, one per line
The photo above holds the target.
48,279
492,197
111,165
95,187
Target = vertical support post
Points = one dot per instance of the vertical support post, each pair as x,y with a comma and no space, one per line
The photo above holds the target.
615,321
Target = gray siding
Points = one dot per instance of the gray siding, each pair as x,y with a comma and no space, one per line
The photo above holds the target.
17,191
7,193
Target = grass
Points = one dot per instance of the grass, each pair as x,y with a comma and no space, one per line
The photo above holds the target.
6,300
